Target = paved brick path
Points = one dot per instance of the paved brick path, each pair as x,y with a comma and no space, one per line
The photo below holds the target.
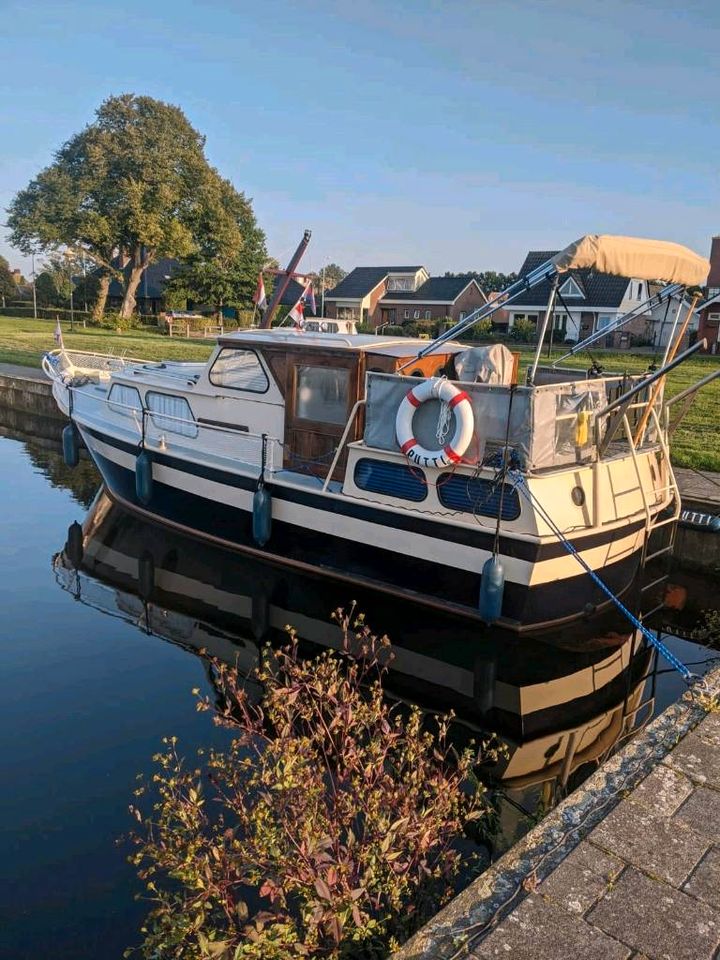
645,883
627,867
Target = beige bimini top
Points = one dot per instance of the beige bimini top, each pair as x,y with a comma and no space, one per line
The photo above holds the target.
635,257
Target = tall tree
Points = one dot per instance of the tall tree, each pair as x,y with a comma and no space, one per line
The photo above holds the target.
229,252
490,280
132,187
328,278
8,288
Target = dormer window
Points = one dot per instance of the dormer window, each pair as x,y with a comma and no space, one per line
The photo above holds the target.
570,289
401,283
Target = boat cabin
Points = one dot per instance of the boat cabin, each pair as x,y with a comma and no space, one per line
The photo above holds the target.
318,379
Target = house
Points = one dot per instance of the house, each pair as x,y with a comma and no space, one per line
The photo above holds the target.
151,291
398,295
587,301
662,318
708,312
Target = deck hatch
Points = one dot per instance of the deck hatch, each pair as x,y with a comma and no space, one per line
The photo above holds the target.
475,495
391,479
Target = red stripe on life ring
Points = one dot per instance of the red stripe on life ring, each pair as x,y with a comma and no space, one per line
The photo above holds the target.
451,455
458,399
408,445
413,399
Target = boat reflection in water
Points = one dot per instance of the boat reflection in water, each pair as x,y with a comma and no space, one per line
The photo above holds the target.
559,709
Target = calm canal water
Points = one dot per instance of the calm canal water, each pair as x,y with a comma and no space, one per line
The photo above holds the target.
98,665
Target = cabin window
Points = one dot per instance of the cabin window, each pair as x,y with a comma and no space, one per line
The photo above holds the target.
322,394
473,495
391,479
239,370
125,400
171,413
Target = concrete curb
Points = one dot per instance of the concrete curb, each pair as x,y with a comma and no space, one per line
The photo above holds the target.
547,844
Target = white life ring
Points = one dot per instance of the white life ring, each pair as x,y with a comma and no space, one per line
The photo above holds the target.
459,403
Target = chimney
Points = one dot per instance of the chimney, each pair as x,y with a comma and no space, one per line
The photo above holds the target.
714,275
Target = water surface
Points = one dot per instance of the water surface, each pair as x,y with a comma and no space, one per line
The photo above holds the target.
98,665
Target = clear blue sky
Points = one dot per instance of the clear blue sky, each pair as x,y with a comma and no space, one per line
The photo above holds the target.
454,134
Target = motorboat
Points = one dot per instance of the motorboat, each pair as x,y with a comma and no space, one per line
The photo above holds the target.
427,469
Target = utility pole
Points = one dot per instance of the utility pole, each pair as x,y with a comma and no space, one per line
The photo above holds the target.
284,279
33,286
322,292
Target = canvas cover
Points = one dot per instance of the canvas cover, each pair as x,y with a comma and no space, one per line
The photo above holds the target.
635,257
490,364
542,421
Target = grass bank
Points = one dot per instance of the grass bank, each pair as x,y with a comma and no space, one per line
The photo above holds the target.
695,444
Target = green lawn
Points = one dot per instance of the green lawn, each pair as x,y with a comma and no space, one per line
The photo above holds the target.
696,443
24,341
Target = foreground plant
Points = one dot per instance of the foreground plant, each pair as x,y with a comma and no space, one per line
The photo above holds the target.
328,826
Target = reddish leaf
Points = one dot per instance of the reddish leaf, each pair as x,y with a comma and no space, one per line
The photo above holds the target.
322,889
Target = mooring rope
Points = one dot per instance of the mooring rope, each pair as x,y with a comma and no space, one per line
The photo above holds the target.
518,480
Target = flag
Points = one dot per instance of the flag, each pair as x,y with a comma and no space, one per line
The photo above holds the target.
259,299
309,296
57,335
297,314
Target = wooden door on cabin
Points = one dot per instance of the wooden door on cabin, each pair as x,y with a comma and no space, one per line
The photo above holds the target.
321,390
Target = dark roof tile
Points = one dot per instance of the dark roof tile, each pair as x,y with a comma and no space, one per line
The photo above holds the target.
360,281
600,289
446,289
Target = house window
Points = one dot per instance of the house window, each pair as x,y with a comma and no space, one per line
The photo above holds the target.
391,479
560,322
570,289
125,400
322,394
171,413
239,370
462,315
406,314
401,283
713,292
604,320
348,313
713,319
428,314
416,314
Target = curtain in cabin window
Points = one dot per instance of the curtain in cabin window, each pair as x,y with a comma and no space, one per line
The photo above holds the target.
172,414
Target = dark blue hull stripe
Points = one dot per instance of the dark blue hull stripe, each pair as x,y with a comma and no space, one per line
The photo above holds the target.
479,539
523,607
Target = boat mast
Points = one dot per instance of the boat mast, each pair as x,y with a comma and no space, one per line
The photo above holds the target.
283,281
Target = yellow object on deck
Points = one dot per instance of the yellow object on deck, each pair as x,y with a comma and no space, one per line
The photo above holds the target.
581,428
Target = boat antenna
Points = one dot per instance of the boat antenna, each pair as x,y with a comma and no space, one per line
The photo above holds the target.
283,280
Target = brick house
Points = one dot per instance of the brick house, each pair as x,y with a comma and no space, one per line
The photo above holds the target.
397,295
708,312
589,301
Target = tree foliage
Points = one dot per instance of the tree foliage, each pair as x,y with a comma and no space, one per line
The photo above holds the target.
489,280
328,278
8,287
325,829
132,187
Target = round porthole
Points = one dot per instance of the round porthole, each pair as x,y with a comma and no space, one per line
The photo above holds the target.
417,373
578,496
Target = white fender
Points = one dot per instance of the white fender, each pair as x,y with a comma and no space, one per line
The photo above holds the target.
459,403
